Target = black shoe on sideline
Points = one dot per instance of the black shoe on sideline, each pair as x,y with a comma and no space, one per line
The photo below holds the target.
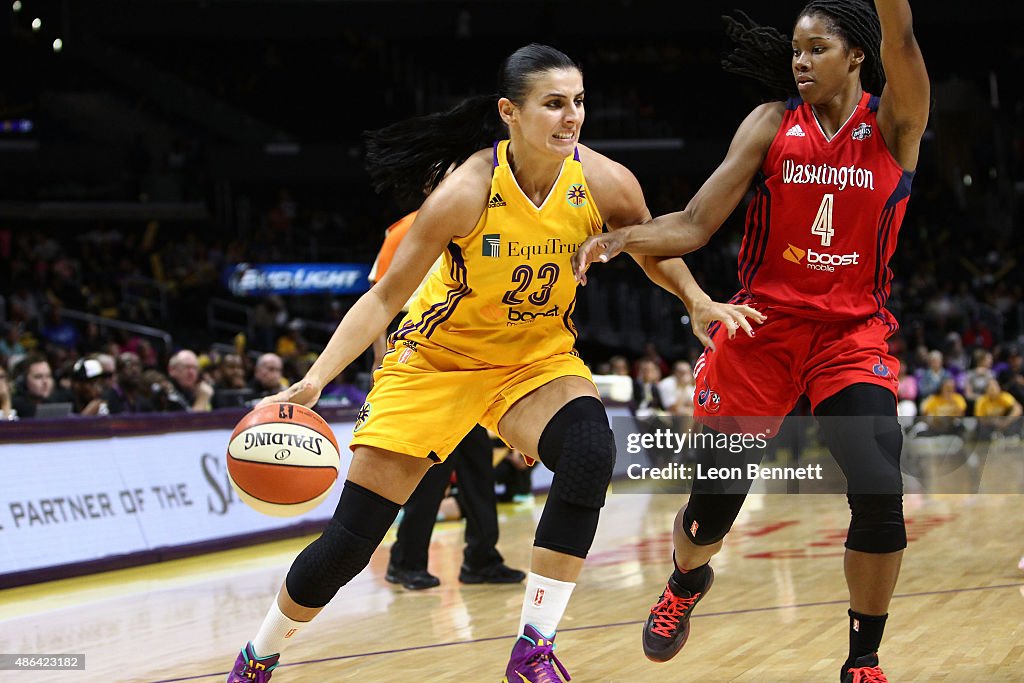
492,573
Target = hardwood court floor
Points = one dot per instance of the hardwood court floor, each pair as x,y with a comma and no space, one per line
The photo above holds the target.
777,611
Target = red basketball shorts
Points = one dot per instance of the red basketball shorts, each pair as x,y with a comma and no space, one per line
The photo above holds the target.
763,376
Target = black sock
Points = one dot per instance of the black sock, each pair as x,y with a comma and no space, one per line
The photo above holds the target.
691,580
865,635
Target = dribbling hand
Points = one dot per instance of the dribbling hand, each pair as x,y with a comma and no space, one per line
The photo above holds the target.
734,318
304,392
601,248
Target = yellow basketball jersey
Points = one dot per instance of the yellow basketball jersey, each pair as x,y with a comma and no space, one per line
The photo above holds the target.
505,292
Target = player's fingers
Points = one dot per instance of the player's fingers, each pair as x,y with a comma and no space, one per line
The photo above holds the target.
703,337
753,313
731,325
742,321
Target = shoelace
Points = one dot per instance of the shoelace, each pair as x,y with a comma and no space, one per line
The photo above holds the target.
669,610
540,661
868,674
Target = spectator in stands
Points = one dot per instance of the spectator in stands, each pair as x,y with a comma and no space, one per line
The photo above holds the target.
1015,386
998,412
619,366
162,393
906,394
267,376
183,369
292,344
128,395
1012,365
7,411
651,353
956,357
87,378
647,398
59,332
944,409
109,368
230,389
35,385
677,389
978,335
930,379
10,340
975,381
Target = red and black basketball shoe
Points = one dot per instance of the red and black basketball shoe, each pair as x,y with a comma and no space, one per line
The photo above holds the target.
668,625
864,670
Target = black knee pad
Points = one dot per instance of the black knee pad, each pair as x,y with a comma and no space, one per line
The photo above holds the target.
566,528
861,429
578,446
343,549
876,524
709,516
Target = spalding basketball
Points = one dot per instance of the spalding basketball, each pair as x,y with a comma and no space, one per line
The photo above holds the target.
282,459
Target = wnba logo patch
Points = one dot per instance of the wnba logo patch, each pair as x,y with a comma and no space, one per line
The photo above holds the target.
538,597
361,417
576,196
406,354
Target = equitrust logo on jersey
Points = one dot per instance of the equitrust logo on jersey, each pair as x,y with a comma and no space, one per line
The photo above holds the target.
819,260
492,246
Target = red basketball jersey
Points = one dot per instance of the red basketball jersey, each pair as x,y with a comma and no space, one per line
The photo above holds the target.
824,219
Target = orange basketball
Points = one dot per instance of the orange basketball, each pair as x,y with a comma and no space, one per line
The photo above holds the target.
282,459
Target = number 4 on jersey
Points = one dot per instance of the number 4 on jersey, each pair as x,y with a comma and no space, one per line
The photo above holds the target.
823,221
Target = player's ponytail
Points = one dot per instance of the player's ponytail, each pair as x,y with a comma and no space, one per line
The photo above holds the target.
765,54
411,157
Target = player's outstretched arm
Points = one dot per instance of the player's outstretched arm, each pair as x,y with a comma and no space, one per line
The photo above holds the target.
455,205
621,200
679,233
906,98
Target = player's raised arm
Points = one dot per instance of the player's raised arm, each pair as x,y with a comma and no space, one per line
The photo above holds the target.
903,111
681,232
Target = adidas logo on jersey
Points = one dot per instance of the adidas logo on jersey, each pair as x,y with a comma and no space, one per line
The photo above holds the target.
496,201
796,132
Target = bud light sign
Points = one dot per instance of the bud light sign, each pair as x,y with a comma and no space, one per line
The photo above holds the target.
247,279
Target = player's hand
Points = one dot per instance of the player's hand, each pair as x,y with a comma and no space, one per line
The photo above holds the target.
304,392
734,318
601,248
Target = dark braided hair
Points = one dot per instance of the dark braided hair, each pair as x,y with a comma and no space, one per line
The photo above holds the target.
412,156
765,54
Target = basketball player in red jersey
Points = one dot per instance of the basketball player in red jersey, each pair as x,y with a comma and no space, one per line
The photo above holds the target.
831,172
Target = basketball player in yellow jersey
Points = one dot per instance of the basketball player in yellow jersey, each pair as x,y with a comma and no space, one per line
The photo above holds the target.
489,340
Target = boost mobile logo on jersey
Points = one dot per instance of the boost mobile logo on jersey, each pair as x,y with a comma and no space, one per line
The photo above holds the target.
576,196
492,246
817,260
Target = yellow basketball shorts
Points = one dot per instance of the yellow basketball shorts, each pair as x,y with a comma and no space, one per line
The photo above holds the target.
426,399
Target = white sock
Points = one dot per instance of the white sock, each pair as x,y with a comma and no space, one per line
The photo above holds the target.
276,632
544,603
